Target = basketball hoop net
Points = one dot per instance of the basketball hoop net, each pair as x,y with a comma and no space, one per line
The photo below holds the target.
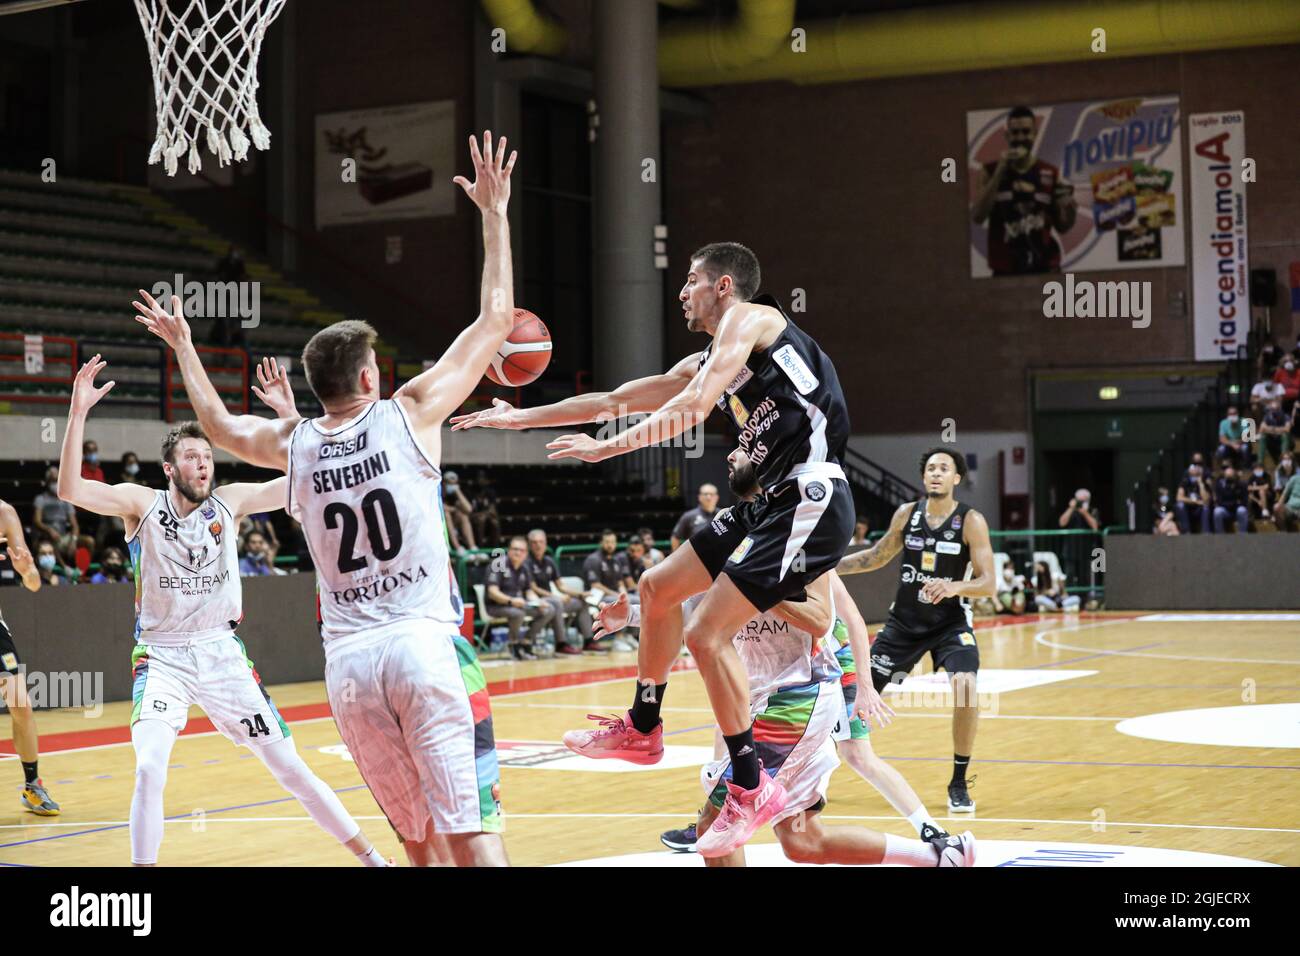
205,76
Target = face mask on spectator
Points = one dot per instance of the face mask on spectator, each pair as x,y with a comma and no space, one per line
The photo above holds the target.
92,458
46,561
1289,366
1233,418
1259,472
1164,499
132,469
53,487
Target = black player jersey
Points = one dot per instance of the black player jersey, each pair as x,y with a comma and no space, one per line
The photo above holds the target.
786,404
929,554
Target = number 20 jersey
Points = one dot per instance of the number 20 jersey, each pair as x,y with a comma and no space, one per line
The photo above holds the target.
369,499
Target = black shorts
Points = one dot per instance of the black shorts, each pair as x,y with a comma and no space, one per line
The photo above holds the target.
773,546
895,651
9,662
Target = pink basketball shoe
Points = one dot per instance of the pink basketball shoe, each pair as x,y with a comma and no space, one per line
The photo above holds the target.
617,738
743,813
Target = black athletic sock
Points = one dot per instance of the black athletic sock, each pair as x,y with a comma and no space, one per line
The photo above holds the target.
744,758
29,771
959,765
645,713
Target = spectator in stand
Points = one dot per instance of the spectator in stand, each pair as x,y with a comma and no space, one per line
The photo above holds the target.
606,570
90,467
256,559
1232,444
548,586
1011,590
261,523
1193,501
860,531
1286,512
1288,376
484,517
509,594
653,553
1275,431
638,562
1259,493
112,568
1049,590
55,519
458,511
1166,522
695,519
1264,392
1282,474
1079,514
51,569
1230,502
130,469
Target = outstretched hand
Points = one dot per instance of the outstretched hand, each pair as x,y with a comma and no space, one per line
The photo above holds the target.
581,447
611,618
870,706
498,416
171,326
85,395
490,190
276,392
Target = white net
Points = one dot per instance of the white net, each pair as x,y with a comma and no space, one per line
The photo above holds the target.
204,57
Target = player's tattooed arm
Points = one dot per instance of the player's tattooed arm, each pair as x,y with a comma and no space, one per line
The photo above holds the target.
813,614
254,497
639,395
11,526
256,440
437,392
983,582
883,551
128,501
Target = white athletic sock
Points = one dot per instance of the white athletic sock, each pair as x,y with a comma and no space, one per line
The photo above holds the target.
372,858
320,802
920,817
153,740
909,852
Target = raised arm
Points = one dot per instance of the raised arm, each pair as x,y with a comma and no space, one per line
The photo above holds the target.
438,391
127,501
738,332
254,497
12,529
868,705
256,440
639,395
883,551
276,393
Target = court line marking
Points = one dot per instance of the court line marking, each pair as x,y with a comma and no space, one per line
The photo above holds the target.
1041,638
677,816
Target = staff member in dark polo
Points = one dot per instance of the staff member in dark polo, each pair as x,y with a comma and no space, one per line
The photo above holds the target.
606,571
695,519
509,586
545,573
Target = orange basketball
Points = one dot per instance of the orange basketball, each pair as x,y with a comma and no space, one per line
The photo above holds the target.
525,354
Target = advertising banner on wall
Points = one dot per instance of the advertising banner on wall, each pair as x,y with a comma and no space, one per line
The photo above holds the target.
1074,187
1220,266
393,162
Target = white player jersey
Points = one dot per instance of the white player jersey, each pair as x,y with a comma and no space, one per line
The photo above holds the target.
186,572
778,655
369,499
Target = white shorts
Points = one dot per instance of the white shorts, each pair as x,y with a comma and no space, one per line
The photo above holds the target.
792,734
411,704
214,673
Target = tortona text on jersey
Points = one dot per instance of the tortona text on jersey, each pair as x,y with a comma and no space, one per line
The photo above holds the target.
349,476
386,582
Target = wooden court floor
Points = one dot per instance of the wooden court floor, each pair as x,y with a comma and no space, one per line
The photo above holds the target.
1051,767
